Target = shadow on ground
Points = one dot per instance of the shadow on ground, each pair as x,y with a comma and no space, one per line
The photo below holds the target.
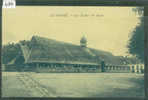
137,90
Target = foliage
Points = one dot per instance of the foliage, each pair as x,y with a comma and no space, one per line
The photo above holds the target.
9,52
12,51
136,42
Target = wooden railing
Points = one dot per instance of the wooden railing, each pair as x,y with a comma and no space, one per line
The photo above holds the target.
137,68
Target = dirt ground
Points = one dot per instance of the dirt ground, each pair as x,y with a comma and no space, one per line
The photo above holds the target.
29,84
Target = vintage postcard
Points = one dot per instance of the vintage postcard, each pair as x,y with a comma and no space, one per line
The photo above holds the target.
73,51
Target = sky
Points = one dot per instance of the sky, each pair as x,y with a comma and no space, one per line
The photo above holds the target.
106,28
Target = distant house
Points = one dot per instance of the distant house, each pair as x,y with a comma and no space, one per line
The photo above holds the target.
49,53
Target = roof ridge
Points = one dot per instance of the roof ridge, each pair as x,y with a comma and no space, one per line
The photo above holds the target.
50,39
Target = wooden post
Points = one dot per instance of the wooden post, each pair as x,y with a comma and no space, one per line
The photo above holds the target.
133,68
129,68
110,67
106,67
113,67
120,68
102,66
142,69
117,68
137,68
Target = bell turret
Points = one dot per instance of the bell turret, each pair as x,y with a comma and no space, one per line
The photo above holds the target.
83,42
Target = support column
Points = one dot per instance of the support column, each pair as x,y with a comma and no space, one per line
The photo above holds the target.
142,69
132,68
103,66
137,68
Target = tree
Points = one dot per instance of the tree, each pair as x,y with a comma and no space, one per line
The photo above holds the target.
12,51
136,42
9,52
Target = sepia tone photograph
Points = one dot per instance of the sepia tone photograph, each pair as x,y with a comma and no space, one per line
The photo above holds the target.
73,51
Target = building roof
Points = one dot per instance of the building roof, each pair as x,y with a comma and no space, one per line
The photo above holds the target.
46,50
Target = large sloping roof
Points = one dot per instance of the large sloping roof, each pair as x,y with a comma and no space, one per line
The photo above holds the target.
52,51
